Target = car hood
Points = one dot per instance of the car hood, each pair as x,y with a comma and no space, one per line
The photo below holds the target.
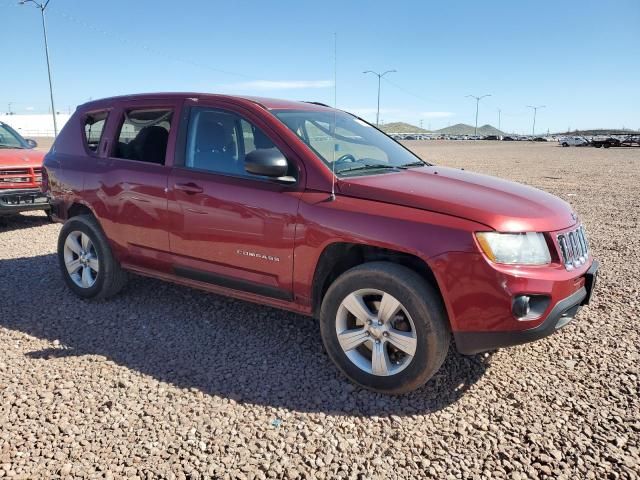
18,157
500,204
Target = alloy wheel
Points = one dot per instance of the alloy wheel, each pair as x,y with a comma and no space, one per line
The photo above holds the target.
81,259
376,332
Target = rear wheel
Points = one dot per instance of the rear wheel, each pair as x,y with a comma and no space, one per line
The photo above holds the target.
384,327
87,264
565,144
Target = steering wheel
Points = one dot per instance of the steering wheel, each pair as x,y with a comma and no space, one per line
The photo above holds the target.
346,158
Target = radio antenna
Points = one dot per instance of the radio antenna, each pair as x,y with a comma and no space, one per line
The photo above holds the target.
335,106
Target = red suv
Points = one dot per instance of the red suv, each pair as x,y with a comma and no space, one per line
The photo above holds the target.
20,174
303,207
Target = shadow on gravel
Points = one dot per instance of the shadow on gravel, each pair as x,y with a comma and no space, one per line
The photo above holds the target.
19,222
192,339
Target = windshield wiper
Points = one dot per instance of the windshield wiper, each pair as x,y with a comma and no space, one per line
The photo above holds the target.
369,166
414,164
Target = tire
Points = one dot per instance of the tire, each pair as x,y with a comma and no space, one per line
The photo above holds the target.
82,241
565,144
607,145
421,315
597,145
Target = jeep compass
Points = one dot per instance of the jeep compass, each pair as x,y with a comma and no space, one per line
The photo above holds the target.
303,207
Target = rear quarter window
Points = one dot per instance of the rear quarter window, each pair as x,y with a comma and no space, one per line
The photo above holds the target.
94,124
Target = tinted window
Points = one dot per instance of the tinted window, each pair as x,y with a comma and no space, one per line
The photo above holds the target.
93,127
218,141
144,135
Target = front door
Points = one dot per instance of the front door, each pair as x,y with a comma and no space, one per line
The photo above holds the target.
229,227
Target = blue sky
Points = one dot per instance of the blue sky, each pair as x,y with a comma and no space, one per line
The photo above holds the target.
579,58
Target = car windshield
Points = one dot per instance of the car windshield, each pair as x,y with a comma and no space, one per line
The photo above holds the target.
9,138
347,144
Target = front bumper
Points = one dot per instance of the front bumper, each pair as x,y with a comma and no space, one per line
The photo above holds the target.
23,200
561,314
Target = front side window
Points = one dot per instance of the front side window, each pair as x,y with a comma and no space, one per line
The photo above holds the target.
94,124
346,144
9,138
144,135
218,141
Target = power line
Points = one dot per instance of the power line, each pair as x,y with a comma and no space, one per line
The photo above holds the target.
408,92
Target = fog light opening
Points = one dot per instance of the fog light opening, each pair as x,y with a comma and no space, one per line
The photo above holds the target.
521,307
529,307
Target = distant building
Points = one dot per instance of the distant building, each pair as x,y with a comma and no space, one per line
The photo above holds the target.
36,125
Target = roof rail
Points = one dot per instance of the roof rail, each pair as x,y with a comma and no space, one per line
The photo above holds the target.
318,103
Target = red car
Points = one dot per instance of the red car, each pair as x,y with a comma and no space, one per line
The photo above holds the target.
299,206
20,174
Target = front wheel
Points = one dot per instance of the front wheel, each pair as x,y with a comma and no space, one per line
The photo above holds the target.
384,327
87,264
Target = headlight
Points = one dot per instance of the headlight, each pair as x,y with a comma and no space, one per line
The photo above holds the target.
515,248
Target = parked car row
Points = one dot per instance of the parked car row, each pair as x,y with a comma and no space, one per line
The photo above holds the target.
600,141
428,136
393,255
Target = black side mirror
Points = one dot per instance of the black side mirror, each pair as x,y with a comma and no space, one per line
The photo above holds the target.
31,143
268,162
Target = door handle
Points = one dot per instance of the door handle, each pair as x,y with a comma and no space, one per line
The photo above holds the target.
189,188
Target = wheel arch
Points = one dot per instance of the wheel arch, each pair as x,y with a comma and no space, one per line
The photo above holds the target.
338,257
78,208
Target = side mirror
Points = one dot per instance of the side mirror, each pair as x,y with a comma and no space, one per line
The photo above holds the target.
31,143
268,162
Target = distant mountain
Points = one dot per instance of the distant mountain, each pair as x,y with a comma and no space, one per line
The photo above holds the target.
464,129
401,127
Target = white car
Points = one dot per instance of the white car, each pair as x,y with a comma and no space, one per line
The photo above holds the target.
573,141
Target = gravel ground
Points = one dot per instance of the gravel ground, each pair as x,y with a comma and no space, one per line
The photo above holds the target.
164,381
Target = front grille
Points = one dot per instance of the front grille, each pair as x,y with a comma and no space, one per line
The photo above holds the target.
20,176
574,248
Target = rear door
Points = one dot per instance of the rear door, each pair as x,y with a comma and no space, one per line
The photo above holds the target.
228,227
129,184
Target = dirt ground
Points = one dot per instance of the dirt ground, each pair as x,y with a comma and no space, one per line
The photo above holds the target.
167,382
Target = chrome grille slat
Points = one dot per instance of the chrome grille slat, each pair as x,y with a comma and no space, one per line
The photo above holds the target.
574,248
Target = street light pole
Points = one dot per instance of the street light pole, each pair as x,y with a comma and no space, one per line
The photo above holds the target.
477,105
535,111
379,75
42,7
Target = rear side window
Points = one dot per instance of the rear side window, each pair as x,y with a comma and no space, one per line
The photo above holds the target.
94,124
143,135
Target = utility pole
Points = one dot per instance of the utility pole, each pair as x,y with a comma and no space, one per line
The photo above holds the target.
475,132
499,113
535,110
42,7
9,106
379,75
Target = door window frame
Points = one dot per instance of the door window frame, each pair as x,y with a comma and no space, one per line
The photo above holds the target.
252,119
151,104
